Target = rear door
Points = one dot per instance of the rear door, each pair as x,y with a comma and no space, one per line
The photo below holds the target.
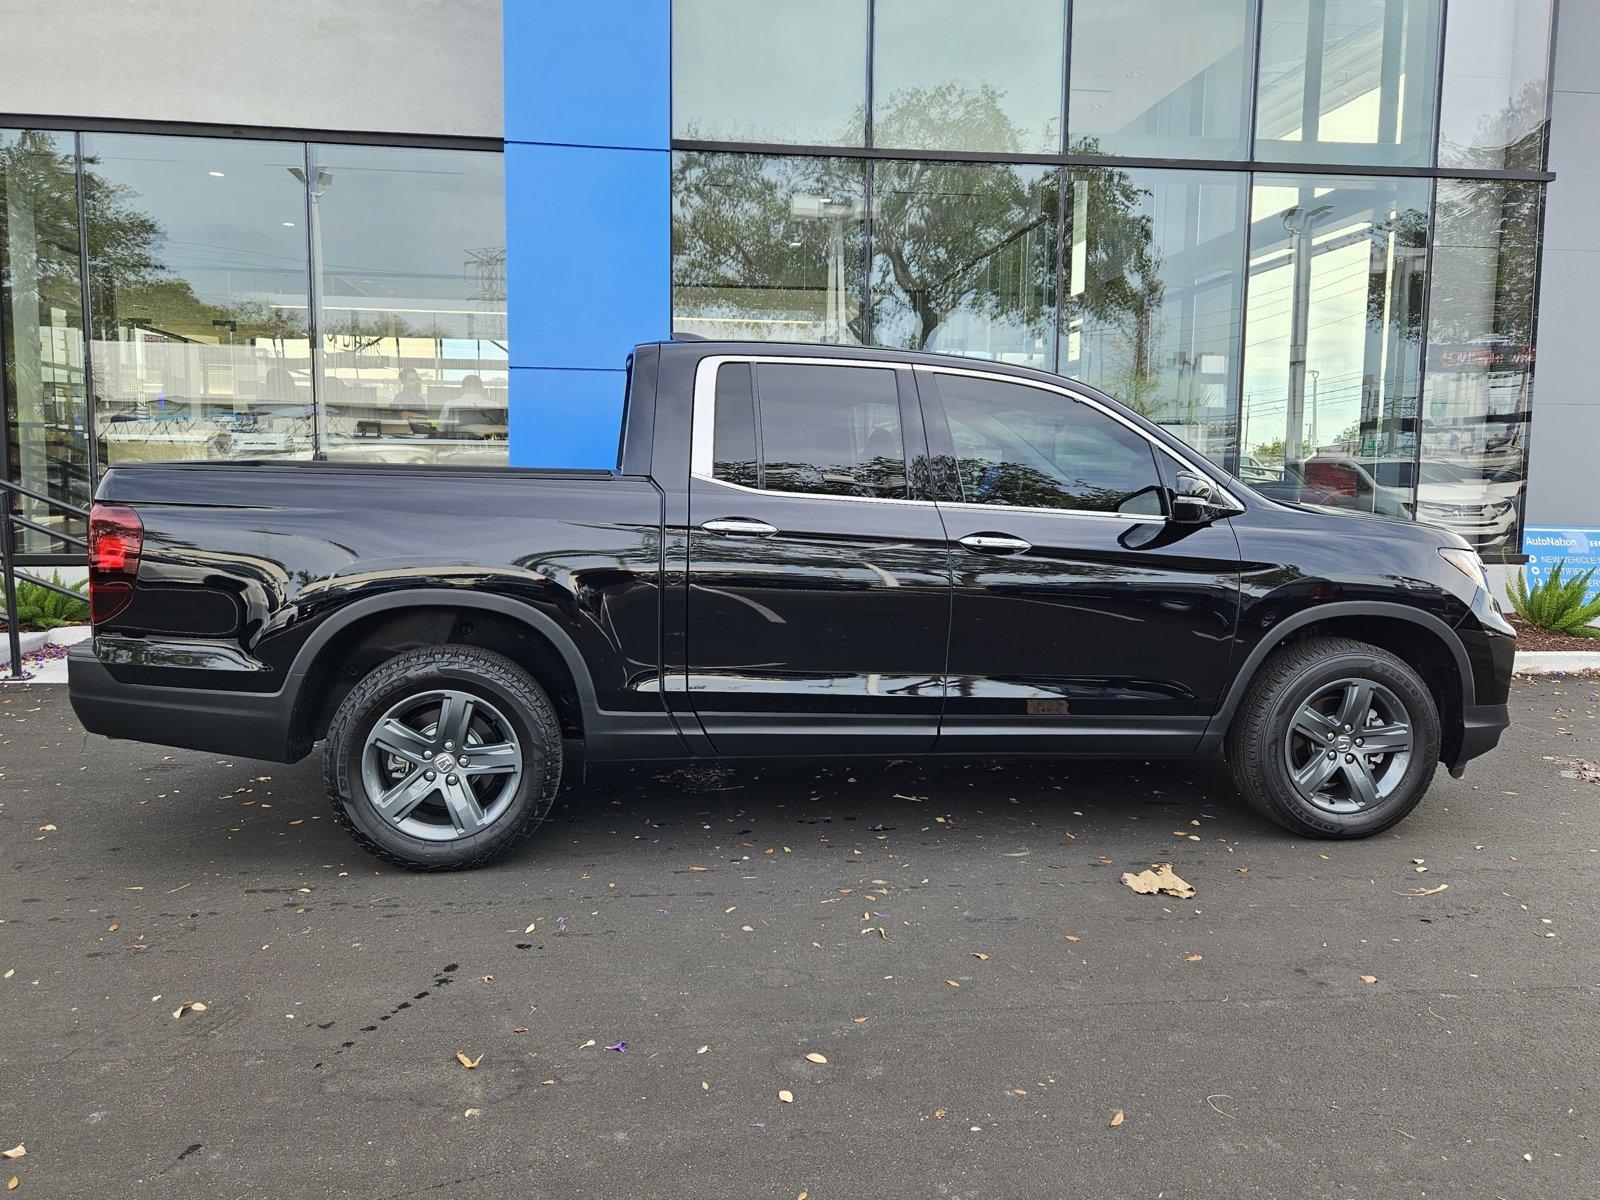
1082,619
818,604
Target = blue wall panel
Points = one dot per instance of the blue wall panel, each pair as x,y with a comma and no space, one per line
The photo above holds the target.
589,72
588,215
589,259
565,418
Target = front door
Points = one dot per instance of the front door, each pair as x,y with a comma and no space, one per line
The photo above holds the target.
1082,619
819,577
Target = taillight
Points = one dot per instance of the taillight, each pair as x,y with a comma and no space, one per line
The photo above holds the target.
116,535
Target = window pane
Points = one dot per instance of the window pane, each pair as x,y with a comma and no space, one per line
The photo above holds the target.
763,72
733,443
198,282
1492,114
832,430
1178,87
1155,295
1480,360
953,75
1348,81
411,257
963,259
1333,341
1026,447
768,248
40,287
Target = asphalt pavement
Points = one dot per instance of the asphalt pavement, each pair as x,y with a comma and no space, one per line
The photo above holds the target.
641,986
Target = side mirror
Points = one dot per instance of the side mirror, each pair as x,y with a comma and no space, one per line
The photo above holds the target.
1194,499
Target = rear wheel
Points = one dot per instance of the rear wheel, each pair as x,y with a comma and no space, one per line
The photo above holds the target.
1335,738
443,758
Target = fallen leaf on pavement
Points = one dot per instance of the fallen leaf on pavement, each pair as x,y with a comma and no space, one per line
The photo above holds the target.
1433,891
1117,1119
470,1064
786,1096
16,1151
980,956
1369,979
1193,958
1158,878
13,1184
188,1006
815,1057
952,983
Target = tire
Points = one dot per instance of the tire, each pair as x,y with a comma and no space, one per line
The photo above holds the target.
1301,768
461,813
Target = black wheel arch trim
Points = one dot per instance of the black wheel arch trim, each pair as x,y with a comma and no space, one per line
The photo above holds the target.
330,627
1323,612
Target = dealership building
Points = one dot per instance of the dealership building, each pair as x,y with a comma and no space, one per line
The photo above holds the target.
1345,248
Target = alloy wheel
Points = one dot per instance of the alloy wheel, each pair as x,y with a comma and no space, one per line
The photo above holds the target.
1348,746
441,765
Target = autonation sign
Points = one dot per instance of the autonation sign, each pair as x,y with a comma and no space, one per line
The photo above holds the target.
1547,547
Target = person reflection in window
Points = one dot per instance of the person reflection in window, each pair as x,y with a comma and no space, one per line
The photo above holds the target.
468,414
408,403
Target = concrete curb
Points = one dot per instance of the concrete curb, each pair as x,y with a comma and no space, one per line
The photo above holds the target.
1556,662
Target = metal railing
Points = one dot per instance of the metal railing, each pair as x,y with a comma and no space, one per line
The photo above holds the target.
11,574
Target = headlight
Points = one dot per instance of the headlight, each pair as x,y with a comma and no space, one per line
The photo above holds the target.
1467,562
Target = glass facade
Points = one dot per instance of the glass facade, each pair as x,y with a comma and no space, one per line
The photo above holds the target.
246,299
1179,89
46,444
1247,219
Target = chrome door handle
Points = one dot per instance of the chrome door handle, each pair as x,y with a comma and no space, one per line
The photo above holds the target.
994,543
739,527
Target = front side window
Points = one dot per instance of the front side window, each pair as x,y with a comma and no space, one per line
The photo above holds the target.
825,430
1025,447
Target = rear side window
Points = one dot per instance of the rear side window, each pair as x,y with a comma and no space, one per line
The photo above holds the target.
1025,447
825,430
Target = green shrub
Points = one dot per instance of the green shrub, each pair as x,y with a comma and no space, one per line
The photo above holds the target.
40,608
1557,604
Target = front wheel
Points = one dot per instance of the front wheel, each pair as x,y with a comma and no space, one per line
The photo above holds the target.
443,758
1335,738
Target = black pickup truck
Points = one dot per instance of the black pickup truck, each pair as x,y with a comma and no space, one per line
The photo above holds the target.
802,551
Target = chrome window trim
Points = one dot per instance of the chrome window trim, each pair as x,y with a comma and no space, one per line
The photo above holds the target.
1233,503
703,432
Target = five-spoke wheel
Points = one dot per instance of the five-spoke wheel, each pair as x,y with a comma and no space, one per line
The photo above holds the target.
1334,738
1349,745
444,757
442,765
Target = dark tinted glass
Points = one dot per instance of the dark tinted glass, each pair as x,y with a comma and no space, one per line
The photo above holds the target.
831,430
733,445
1025,447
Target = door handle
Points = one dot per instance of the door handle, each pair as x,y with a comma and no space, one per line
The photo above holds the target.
995,543
739,527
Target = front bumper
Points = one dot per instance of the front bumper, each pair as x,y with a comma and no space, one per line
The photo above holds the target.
243,724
